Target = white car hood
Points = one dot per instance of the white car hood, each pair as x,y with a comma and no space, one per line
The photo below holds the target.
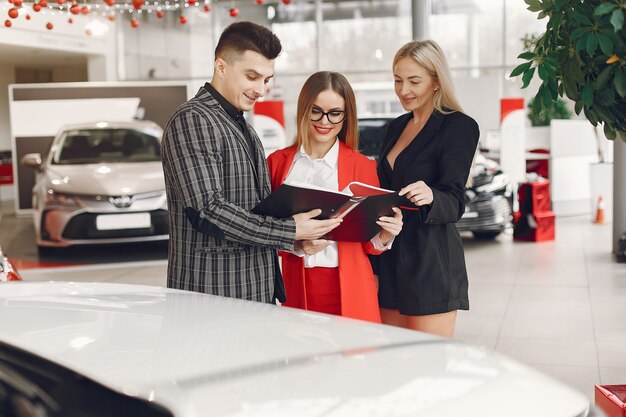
107,179
200,355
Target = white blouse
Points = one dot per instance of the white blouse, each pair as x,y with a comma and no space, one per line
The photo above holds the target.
322,173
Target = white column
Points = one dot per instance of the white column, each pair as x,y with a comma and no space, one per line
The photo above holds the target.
421,10
619,190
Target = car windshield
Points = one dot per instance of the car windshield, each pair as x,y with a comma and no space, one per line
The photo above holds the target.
371,135
90,146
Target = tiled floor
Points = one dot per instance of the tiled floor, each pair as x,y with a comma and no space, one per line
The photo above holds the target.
558,306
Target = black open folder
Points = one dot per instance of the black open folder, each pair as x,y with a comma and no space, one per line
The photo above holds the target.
360,205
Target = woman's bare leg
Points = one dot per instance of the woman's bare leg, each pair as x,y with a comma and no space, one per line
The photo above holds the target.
438,324
393,318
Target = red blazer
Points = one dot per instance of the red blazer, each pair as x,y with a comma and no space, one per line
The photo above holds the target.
359,293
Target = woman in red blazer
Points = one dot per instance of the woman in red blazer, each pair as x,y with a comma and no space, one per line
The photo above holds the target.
320,275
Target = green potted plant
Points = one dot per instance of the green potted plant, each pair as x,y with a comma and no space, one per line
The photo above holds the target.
582,55
557,110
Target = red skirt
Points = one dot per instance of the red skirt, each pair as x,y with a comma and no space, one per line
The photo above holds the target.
323,293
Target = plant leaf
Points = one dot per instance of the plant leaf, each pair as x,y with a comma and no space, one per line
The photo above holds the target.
533,5
546,98
527,77
579,17
588,94
520,68
592,44
617,19
536,103
552,62
620,82
603,77
578,107
579,32
526,55
581,43
606,44
591,116
609,132
604,8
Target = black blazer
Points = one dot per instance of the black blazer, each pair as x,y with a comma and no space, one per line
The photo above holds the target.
429,249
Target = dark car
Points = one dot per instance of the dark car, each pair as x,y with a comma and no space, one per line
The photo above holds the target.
488,200
489,194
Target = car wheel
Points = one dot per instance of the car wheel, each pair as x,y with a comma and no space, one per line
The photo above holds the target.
486,235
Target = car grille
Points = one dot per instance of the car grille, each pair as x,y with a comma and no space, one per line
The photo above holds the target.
83,226
493,214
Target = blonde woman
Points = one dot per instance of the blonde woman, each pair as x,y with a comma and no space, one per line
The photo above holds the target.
426,156
324,276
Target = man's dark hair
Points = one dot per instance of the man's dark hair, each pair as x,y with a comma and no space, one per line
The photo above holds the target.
247,36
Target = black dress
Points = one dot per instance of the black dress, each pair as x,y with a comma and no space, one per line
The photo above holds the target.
424,271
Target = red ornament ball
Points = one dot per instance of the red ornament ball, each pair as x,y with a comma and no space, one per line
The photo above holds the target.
17,3
8,23
160,14
49,26
259,1
134,23
110,3
111,17
36,7
234,12
75,9
191,2
182,20
13,13
137,4
59,2
84,10
27,17
70,20
43,3
207,8
286,1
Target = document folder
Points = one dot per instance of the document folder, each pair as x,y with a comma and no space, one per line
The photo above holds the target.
360,205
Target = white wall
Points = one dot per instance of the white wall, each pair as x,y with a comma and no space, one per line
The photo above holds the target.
7,76
64,37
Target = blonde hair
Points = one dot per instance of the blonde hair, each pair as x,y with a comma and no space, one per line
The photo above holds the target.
313,86
429,55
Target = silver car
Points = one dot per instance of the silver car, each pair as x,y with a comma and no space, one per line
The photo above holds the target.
97,349
100,183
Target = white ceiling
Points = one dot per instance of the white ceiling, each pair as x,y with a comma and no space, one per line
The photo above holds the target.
20,56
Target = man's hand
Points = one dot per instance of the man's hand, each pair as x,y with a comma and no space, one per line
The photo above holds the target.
311,247
309,229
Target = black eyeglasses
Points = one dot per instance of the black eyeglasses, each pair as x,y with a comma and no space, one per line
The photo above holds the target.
333,116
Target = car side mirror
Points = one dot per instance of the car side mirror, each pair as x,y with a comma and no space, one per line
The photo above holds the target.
31,160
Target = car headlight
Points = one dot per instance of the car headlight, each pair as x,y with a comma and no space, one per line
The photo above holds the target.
59,199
